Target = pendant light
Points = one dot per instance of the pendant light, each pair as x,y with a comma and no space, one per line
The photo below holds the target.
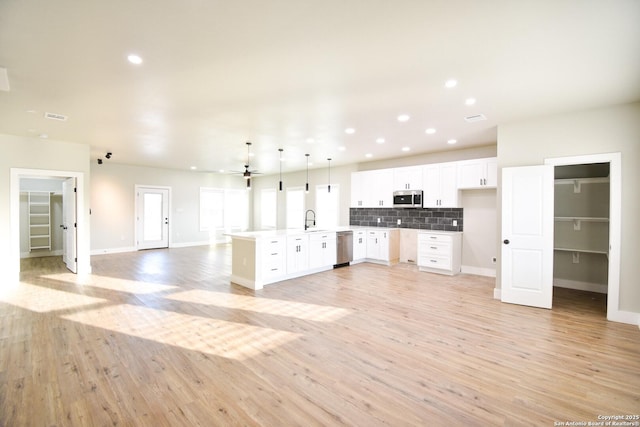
306,186
280,184
329,185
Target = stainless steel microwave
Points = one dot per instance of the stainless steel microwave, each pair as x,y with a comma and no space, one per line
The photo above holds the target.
407,199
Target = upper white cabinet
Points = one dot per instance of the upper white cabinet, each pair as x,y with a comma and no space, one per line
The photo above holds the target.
372,189
478,173
408,178
440,185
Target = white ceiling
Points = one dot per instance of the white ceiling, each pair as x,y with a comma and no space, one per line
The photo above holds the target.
283,73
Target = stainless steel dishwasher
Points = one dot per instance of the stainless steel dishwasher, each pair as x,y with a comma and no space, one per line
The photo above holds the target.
344,248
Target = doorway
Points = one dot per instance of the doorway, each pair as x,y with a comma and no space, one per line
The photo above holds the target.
78,230
527,269
152,217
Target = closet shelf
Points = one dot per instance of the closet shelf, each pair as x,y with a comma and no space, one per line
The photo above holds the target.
588,251
581,218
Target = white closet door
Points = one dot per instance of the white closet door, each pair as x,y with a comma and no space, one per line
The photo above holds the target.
527,235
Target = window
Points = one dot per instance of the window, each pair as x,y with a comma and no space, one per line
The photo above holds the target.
295,207
211,209
223,209
327,206
268,206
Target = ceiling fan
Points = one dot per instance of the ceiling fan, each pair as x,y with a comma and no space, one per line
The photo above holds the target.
247,172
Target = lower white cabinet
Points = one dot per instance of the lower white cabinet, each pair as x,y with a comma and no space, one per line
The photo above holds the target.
359,245
274,256
383,245
322,250
297,253
440,252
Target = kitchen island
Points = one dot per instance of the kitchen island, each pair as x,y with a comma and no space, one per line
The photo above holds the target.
260,258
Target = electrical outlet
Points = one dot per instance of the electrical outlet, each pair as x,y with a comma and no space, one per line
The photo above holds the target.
399,221
378,220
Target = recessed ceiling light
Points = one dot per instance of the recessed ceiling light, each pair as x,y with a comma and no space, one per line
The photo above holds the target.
403,118
469,101
342,148
31,111
451,141
450,83
44,136
380,140
221,171
368,155
406,148
194,168
134,59
430,131
350,131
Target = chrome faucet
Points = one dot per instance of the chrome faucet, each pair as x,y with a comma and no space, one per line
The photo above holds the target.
306,220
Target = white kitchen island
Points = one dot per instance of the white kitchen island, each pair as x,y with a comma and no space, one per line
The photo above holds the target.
263,257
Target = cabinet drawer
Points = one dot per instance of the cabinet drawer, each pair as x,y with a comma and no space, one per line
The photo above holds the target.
430,261
425,237
431,248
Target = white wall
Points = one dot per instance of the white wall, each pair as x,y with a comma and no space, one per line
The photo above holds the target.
604,130
480,231
45,155
113,203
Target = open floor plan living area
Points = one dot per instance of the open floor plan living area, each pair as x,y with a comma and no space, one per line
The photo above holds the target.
162,338
320,213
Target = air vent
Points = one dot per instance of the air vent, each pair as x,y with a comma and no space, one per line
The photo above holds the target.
54,116
475,118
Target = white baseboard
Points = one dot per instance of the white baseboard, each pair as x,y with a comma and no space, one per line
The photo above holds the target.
497,293
479,271
624,317
40,254
201,243
581,286
113,250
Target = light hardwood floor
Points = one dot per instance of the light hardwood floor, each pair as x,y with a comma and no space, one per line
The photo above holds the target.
161,337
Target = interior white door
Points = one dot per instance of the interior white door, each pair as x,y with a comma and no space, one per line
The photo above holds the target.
152,218
69,224
527,235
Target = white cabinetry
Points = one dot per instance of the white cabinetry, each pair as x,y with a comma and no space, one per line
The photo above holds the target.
408,178
274,257
372,189
478,173
440,185
383,245
322,250
359,245
439,252
297,253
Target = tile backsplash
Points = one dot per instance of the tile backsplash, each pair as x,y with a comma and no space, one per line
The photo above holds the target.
423,219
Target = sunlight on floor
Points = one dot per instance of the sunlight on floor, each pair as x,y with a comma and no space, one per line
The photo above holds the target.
293,309
113,283
42,300
216,337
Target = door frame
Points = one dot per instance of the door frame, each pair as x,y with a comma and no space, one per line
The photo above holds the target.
135,212
83,248
615,226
